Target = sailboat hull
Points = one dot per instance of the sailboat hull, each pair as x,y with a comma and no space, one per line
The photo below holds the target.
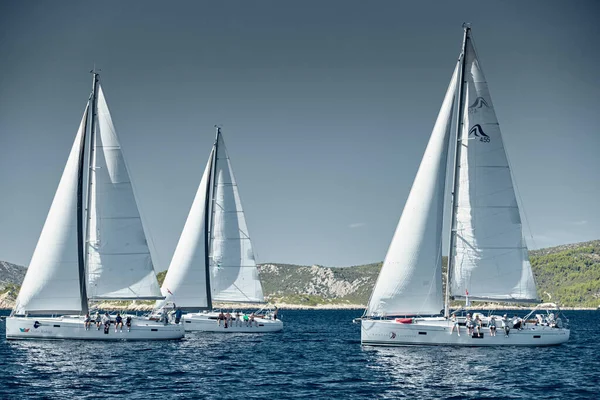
208,322
436,332
73,328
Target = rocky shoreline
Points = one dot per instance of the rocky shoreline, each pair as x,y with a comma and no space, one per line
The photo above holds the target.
7,303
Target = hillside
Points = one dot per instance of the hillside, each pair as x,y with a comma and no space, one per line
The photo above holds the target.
568,275
11,274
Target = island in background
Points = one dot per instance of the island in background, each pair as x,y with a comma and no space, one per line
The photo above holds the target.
568,275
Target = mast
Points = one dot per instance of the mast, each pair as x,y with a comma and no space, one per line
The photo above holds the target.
91,165
207,216
80,222
455,180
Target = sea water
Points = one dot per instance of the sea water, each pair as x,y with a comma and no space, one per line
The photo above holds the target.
317,356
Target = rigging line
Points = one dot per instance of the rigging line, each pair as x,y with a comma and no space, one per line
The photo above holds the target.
240,290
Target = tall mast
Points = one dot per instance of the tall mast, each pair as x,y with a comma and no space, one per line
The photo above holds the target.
90,177
208,206
455,179
80,220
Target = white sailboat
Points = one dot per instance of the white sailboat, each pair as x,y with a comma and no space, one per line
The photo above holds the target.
488,257
214,260
109,259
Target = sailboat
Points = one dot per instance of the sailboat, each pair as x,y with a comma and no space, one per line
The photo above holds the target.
214,259
488,258
93,253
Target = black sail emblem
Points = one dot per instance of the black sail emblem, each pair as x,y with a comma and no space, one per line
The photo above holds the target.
479,103
477,131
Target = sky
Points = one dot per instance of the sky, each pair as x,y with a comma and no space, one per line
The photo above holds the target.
326,109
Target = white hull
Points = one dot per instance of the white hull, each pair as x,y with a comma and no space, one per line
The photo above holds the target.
436,331
73,327
208,322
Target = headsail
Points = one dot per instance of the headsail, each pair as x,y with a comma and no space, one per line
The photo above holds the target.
52,280
234,276
119,261
410,281
490,260
185,282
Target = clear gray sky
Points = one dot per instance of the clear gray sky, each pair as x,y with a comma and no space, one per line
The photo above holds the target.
326,108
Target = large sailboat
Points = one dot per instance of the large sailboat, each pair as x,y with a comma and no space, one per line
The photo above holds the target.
92,253
214,260
488,258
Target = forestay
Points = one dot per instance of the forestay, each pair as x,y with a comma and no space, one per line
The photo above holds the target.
410,281
491,260
52,281
185,282
119,261
234,276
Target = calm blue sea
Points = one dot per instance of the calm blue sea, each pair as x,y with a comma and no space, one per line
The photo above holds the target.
318,356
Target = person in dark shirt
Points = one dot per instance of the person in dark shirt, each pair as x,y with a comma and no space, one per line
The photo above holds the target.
119,322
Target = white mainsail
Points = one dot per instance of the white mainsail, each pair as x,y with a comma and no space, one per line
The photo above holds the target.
234,276
119,261
491,259
185,282
52,280
410,281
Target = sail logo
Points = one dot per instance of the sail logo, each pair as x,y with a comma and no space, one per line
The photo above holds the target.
393,335
36,324
24,329
478,103
477,131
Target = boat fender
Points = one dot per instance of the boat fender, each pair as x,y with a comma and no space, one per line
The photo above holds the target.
404,320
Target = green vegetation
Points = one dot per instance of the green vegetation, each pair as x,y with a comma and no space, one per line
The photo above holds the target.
568,275
161,277
11,288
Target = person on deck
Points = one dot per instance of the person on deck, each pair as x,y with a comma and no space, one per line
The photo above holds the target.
454,324
178,315
87,321
517,322
220,318
505,325
251,319
228,320
119,322
275,311
106,322
238,320
469,324
557,322
478,324
128,323
492,325
98,320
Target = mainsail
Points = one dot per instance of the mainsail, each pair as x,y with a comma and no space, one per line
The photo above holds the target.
185,282
410,281
234,276
119,262
490,256
52,280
